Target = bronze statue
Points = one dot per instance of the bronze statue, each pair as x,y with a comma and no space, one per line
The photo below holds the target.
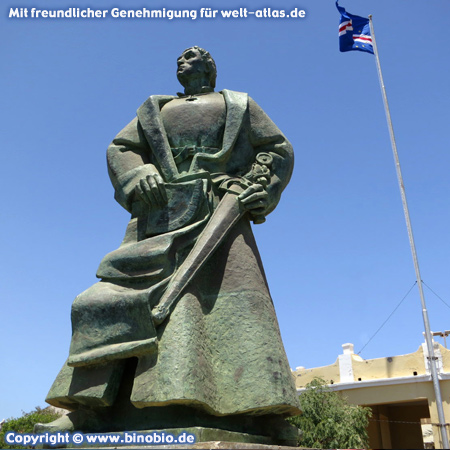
180,331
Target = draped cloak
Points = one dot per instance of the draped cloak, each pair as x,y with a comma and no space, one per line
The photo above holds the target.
220,350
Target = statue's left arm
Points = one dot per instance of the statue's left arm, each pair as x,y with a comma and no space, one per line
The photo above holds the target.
266,137
130,168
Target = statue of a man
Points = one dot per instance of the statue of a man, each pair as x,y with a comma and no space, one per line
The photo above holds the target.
215,358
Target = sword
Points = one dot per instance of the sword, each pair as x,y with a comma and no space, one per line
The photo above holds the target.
226,215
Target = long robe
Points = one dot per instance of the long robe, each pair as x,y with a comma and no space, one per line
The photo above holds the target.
220,350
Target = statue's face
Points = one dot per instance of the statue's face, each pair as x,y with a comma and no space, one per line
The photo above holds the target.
190,64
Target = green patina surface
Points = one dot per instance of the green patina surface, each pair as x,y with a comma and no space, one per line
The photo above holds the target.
180,331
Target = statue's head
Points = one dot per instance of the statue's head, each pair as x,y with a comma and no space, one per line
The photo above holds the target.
195,63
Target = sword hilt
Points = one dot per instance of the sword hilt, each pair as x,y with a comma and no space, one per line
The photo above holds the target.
259,174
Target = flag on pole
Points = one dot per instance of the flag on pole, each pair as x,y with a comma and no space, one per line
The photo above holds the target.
354,32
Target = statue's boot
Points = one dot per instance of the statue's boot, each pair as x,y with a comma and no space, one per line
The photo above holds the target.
81,419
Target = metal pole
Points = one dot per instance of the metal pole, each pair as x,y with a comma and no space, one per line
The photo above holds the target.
428,337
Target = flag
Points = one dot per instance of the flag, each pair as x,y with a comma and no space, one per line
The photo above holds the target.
354,32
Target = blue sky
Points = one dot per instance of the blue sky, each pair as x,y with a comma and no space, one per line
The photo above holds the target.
336,251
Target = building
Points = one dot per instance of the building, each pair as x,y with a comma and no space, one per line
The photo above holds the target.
398,389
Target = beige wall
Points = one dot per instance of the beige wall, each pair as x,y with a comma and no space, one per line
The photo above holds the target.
329,373
397,388
411,364
393,366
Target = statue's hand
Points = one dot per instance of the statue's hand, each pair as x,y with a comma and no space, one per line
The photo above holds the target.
254,199
152,191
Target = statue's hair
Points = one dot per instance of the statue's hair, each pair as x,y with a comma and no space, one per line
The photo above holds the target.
209,61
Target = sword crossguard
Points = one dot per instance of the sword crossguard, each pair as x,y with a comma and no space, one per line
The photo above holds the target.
235,185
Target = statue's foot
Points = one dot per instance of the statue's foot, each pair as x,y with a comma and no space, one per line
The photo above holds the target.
80,420
61,424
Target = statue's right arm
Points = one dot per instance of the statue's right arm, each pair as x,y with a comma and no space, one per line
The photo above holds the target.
131,171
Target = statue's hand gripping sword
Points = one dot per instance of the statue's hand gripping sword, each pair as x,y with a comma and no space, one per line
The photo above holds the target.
226,215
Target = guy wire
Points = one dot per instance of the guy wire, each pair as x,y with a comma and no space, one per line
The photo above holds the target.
390,315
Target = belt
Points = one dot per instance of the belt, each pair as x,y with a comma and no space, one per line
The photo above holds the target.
182,153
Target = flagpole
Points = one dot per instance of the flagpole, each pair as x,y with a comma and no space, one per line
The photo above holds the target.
428,337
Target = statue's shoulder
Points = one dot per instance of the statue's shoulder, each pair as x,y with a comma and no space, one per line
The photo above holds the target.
155,100
241,98
129,133
149,110
235,99
228,93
